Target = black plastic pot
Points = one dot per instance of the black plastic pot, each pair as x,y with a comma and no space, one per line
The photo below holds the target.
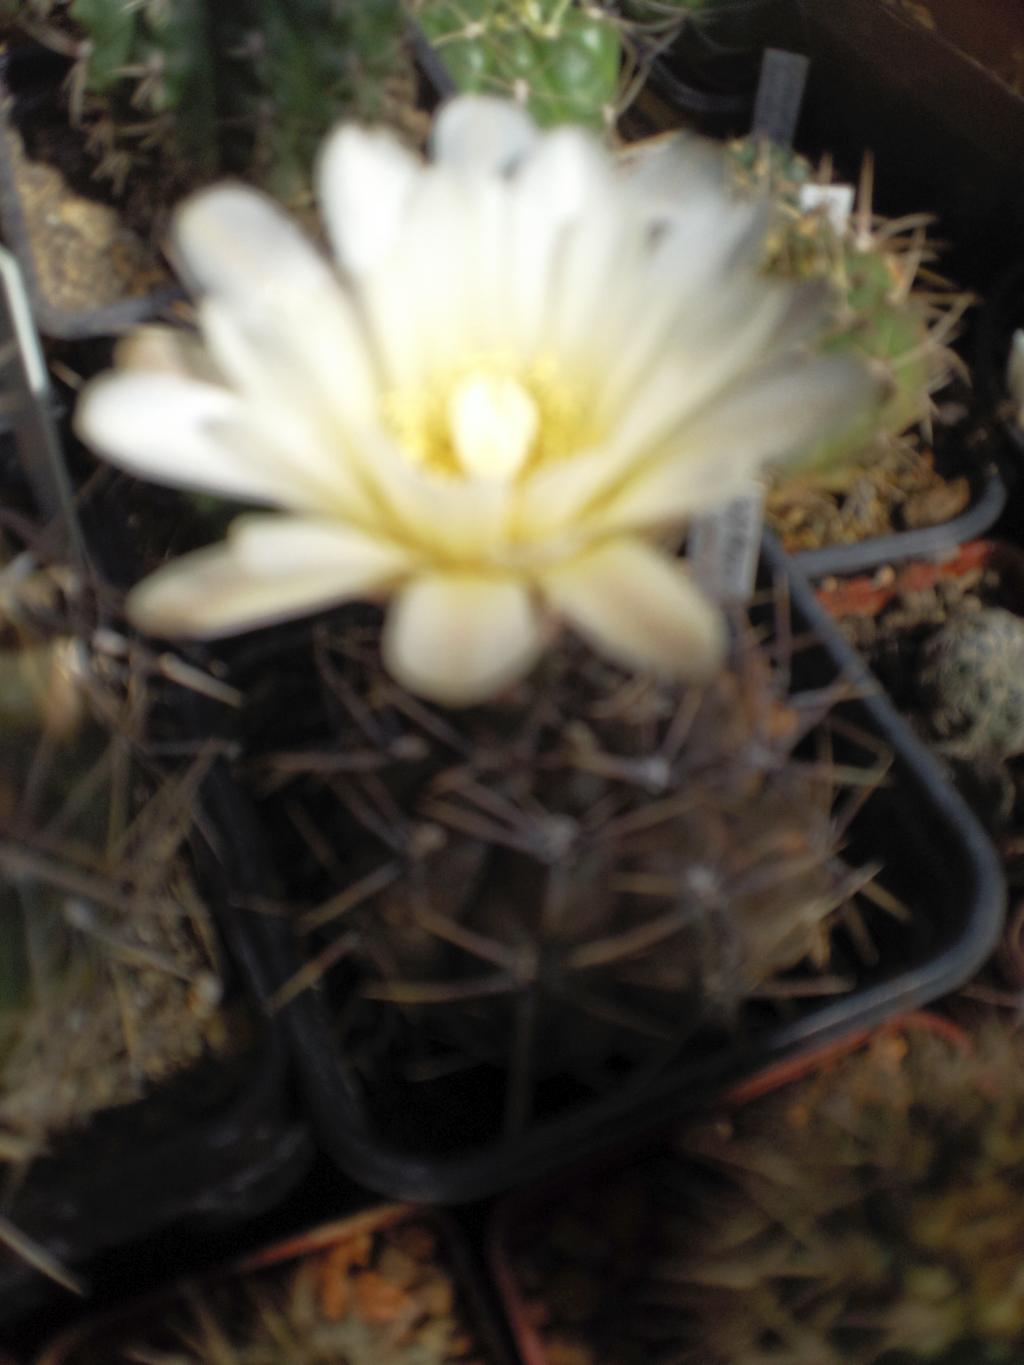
988,499
936,859
211,1148
30,98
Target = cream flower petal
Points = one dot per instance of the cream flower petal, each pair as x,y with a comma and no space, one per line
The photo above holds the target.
758,414
699,248
481,134
676,384
365,181
640,608
596,268
289,307
455,519
771,418
740,312
566,179
420,304
268,570
307,425
490,279
668,170
383,294
674,489
271,545
711,234
171,429
316,351
234,241
443,294
460,638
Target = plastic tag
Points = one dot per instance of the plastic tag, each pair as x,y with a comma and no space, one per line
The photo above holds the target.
723,547
780,93
836,200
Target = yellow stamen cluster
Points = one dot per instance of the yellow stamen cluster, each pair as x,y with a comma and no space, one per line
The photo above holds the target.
491,419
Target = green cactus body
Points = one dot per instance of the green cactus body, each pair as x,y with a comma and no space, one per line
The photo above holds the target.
244,88
971,681
879,315
179,45
113,30
559,57
577,890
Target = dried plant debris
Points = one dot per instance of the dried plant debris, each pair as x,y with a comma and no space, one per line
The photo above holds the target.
376,1298
575,879
109,973
872,1215
84,255
901,490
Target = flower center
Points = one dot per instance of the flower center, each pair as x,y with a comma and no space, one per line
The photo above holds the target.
492,419
493,423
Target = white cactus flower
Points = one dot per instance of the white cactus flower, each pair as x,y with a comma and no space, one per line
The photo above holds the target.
528,362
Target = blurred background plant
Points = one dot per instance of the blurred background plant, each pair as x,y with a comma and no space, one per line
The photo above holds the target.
109,970
247,88
382,1288
869,1216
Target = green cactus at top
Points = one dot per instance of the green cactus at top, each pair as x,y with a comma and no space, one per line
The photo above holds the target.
560,58
311,61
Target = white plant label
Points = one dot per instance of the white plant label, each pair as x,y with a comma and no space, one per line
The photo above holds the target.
836,200
723,547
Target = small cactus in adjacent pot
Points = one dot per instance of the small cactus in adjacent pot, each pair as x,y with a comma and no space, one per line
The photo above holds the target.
889,306
971,682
